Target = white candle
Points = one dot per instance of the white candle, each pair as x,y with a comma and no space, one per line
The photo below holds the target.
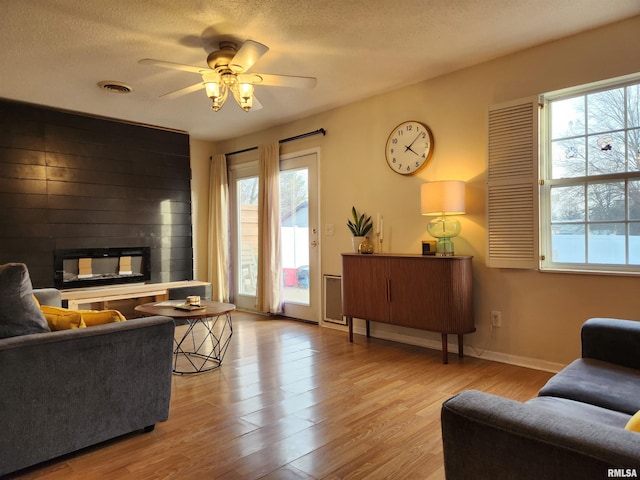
381,228
378,224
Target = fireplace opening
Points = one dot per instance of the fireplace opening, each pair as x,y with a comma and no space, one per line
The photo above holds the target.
88,267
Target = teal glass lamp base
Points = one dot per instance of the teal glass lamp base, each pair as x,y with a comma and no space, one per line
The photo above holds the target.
444,247
444,229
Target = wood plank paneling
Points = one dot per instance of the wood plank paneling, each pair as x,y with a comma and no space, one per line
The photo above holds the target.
74,181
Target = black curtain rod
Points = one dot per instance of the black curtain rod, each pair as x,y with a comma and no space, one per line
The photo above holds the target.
285,140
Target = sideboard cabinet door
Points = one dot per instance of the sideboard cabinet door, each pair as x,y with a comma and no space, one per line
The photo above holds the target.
433,293
364,287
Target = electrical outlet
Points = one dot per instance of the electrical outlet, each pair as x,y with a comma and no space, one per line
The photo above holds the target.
328,229
496,318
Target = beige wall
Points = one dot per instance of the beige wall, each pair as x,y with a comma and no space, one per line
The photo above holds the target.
541,312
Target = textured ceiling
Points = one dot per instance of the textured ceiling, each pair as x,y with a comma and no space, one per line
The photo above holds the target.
54,52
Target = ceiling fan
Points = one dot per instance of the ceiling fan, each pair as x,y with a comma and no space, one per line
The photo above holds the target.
228,73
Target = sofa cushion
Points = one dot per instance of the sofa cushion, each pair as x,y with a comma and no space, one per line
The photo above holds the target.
19,313
599,383
583,411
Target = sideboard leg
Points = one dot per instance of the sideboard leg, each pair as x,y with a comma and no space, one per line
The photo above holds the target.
445,354
460,346
350,322
368,329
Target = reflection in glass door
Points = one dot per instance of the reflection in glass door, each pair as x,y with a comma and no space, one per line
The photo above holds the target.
294,229
243,190
247,189
299,236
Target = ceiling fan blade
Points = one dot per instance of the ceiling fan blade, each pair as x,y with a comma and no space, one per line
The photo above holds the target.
248,54
183,91
174,66
283,80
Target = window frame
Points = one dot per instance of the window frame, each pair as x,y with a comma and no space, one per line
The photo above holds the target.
546,183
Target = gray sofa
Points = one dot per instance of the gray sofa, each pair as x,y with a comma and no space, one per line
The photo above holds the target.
574,428
66,390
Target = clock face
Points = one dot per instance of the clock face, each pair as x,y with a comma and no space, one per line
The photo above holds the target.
409,147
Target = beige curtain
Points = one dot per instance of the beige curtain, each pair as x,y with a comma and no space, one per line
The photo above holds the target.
219,229
269,269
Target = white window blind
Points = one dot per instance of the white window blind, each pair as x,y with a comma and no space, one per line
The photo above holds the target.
512,185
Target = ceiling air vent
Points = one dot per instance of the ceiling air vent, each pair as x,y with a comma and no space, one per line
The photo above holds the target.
115,87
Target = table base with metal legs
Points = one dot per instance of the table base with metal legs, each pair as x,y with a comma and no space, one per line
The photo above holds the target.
203,345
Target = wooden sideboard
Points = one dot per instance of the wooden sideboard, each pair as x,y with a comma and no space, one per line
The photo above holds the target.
423,292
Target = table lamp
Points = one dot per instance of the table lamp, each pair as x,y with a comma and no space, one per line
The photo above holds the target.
442,199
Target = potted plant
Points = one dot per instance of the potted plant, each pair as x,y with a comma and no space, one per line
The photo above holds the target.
359,225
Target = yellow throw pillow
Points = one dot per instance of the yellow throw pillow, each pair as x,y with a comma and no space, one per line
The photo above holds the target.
634,423
62,318
100,317
65,319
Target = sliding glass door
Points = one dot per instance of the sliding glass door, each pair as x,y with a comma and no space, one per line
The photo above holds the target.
299,236
300,289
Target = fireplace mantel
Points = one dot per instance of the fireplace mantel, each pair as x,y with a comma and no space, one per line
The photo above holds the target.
82,296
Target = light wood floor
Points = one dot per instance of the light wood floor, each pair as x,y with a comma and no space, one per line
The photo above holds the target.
297,401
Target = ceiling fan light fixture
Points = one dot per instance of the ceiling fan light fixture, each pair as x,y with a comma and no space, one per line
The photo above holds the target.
217,92
216,105
212,89
227,73
246,103
245,90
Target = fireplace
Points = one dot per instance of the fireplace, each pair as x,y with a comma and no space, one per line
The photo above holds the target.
92,267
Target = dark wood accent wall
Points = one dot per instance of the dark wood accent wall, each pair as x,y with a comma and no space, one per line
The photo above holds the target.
75,181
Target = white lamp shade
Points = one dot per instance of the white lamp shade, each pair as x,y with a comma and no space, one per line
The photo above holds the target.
442,198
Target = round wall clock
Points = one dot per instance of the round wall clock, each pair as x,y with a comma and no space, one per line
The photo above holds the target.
409,147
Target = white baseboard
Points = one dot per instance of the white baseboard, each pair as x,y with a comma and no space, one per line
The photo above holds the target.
527,362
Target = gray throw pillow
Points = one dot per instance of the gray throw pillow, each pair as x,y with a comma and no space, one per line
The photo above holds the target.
19,313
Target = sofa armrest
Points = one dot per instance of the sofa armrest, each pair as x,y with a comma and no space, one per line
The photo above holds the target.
494,438
48,296
612,340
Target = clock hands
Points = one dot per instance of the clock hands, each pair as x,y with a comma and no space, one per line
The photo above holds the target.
408,147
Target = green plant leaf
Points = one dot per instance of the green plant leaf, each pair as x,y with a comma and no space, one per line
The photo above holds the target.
360,224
